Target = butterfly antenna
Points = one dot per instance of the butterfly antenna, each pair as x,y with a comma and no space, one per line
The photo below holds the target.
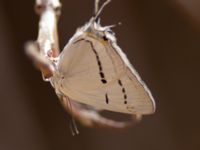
73,125
114,25
99,10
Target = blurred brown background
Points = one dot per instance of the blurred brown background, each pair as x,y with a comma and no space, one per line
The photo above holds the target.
161,39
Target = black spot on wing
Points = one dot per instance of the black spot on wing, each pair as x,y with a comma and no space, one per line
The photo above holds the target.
99,63
103,81
107,99
120,82
101,73
123,91
125,96
100,68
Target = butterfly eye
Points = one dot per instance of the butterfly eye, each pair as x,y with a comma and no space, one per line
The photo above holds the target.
105,38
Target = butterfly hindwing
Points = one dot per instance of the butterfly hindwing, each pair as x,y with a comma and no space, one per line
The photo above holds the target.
96,73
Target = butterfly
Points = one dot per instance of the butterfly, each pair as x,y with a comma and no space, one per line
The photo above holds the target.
93,71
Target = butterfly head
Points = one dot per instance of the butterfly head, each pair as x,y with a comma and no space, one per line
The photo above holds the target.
94,28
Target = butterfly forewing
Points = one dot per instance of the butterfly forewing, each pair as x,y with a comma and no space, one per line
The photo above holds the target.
96,73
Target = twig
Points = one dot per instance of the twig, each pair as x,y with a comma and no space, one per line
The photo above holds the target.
46,45
49,11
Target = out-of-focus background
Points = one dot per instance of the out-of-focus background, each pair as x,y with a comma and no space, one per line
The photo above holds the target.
161,39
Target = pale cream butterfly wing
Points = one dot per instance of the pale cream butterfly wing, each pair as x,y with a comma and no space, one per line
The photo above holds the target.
91,70
94,71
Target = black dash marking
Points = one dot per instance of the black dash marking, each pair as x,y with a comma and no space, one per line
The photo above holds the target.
101,73
107,100
99,63
94,50
100,68
125,96
103,81
123,91
120,82
78,41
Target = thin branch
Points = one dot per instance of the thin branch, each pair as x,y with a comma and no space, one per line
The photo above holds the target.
46,46
47,36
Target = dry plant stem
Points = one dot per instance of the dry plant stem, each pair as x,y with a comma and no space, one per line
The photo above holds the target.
45,49
47,36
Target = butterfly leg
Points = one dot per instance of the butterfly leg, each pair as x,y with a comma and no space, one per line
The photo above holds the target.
91,118
45,50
